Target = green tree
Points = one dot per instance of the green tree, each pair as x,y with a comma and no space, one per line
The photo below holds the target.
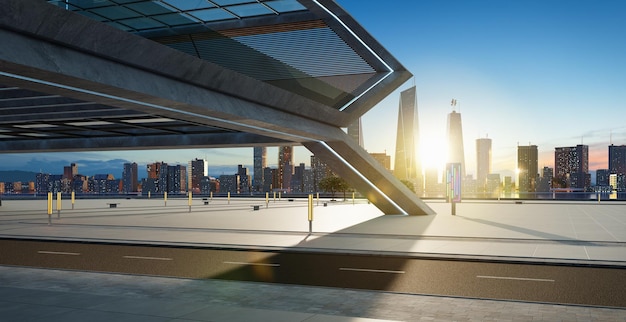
334,184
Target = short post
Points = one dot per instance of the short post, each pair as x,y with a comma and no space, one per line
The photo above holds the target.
353,198
228,197
598,197
274,196
267,199
73,199
211,195
190,197
280,193
149,194
310,213
58,205
49,208
165,198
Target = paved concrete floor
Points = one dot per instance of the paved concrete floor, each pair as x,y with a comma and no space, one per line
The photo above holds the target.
28,294
564,232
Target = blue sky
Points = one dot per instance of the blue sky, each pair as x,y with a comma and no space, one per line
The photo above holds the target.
545,72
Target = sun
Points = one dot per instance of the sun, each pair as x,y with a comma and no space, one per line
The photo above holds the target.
433,154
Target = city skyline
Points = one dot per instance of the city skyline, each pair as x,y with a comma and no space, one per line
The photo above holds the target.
528,73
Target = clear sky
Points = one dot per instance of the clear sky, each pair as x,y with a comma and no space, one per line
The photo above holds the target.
543,72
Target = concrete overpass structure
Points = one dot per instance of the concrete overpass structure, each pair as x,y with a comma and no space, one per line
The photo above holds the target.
84,75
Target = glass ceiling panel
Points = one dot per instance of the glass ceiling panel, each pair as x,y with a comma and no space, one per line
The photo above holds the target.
212,14
285,5
142,23
247,10
86,4
115,13
231,2
150,8
189,4
176,19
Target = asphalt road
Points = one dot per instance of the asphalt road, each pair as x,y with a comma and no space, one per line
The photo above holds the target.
584,285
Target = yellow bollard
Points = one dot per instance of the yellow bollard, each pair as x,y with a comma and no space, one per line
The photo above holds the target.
274,196
352,198
211,194
165,198
49,208
267,199
149,194
73,199
229,197
190,198
310,213
58,205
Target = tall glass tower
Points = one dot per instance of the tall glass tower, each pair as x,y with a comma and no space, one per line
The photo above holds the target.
527,165
406,165
456,153
260,163
285,166
483,161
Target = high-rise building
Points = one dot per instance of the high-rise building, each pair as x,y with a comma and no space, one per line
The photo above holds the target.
571,166
528,167
198,169
406,165
70,171
456,153
260,163
176,179
617,165
483,163
545,181
244,179
355,131
285,166
129,177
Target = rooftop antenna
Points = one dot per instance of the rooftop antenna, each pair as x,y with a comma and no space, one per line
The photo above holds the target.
453,104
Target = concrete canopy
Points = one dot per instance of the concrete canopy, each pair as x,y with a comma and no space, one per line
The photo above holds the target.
72,83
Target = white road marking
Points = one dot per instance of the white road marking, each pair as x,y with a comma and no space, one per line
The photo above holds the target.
252,264
57,253
149,258
516,278
370,270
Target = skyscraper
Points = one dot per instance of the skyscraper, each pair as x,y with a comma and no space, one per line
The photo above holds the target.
355,131
456,153
129,177
528,167
198,169
617,165
571,166
406,165
260,163
285,166
483,162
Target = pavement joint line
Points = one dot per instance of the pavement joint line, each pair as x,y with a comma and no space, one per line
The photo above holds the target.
516,278
252,264
370,270
148,258
48,252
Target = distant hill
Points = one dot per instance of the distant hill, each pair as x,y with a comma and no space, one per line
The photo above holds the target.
14,176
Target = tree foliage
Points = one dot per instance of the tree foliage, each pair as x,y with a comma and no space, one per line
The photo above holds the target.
334,184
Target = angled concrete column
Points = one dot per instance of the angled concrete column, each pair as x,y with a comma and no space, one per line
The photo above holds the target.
366,175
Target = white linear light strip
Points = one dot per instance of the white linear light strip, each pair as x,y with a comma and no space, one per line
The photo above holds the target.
364,45
81,90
